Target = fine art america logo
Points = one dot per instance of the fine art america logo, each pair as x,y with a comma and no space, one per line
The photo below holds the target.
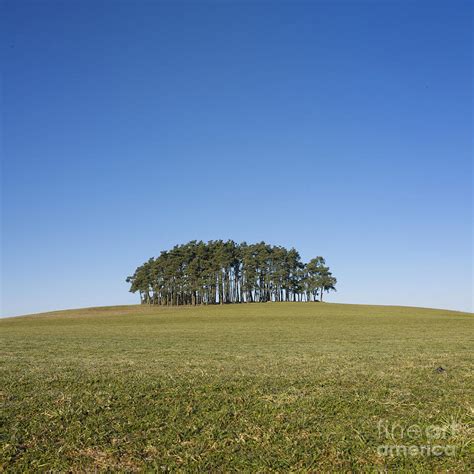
404,440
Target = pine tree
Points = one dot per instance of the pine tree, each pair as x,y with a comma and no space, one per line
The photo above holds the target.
225,272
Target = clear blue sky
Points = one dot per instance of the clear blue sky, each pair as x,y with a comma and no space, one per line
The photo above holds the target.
342,129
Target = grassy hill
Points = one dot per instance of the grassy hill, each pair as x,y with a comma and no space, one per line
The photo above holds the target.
269,387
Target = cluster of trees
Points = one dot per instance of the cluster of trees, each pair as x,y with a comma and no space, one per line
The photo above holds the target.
227,272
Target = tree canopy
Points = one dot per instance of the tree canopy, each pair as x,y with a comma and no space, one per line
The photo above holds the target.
219,272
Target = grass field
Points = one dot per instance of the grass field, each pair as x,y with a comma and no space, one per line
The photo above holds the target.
259,387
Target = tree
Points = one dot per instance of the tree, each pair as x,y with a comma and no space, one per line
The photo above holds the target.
227,272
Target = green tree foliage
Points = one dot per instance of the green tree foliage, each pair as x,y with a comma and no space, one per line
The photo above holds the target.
219,272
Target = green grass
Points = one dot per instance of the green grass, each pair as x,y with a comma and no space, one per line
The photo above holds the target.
260,387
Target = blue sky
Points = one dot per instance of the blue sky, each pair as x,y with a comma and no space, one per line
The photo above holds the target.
343,129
